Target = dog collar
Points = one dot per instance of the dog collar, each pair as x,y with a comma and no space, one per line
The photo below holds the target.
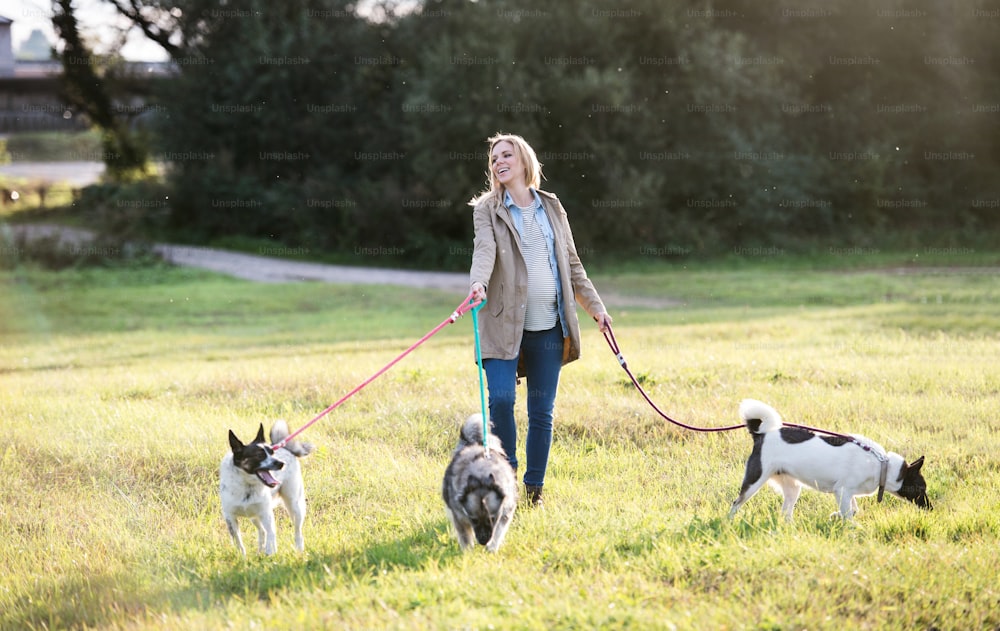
884,466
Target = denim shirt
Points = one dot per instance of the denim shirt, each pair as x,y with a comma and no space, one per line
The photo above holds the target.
543,223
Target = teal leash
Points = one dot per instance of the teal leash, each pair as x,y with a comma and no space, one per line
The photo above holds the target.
479,364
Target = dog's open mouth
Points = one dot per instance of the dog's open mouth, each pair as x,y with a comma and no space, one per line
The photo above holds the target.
266,477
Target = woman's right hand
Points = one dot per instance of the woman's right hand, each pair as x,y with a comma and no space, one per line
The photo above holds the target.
478,292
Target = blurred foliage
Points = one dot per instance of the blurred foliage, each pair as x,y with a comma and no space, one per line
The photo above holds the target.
51,146
20,249
91,86
673,129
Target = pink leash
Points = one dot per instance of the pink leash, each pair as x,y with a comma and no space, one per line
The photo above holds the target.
463,308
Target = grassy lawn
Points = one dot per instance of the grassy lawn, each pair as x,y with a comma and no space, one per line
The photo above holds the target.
117,388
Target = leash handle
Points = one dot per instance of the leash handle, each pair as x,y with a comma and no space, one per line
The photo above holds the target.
609,335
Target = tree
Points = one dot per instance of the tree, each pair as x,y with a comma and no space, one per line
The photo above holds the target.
87,87
695,126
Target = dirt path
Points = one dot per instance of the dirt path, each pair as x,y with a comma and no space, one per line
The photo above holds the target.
262,269
265,269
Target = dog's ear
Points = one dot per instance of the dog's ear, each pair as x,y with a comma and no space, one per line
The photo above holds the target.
234,443
260,434
916,464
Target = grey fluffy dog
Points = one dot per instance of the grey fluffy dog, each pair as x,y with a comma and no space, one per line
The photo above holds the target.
479,489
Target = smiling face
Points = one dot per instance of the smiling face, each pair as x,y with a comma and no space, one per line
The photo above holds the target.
506,166
512,164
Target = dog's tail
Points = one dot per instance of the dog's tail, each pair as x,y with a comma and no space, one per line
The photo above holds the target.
759,417
279,431
472,433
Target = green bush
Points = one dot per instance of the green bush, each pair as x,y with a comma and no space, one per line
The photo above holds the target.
679,129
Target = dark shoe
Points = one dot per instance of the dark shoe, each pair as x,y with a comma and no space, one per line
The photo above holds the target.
533,494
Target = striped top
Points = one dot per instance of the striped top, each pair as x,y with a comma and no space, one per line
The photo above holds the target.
542,307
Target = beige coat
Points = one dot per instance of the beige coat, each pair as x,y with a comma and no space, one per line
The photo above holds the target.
497,263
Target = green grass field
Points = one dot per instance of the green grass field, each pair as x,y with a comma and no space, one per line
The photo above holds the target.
117,388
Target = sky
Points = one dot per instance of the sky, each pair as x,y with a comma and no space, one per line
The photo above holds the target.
97,22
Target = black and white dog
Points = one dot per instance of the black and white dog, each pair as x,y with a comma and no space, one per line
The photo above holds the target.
789,457
253,479
479,489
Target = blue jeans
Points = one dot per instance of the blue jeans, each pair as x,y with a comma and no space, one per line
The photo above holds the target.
543,353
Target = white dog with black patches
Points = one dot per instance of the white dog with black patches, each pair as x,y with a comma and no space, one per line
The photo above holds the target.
847,466
254,479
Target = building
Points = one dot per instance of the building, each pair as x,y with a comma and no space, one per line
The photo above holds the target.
6,48
31,91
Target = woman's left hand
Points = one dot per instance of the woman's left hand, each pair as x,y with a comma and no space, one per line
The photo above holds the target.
603,321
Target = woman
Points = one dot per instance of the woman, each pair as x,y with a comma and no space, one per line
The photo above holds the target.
525,264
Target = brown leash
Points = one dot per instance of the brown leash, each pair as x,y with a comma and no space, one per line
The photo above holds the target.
609,335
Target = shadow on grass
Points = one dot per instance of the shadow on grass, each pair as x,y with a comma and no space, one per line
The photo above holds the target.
79,602
262,577
201,580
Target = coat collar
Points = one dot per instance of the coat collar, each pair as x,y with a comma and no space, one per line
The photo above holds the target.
546,201
508,201
542,198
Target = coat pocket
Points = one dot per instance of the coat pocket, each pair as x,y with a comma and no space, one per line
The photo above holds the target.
495,303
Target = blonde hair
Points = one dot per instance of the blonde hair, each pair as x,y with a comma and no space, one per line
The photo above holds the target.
525,155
